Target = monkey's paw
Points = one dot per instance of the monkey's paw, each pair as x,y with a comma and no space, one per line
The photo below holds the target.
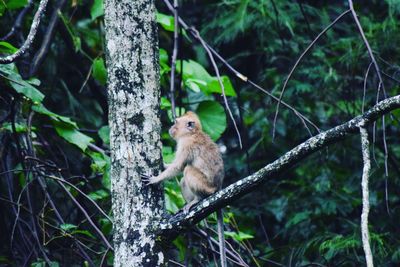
148,179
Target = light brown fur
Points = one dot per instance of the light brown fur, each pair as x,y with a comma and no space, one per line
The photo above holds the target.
197,156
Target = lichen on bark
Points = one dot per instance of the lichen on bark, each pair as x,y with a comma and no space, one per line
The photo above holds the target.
133,92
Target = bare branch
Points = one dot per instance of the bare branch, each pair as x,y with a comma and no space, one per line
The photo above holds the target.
31,36
252,182
18,22
297,63
221,84
371,55
44,48
365,195
173,60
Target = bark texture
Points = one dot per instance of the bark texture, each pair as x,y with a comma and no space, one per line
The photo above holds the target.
133,91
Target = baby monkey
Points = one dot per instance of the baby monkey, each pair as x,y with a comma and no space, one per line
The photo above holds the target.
197,156
203,169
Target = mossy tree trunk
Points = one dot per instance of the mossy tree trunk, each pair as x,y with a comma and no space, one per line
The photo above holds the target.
133,92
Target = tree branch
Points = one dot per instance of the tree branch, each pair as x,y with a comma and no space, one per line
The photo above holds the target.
31,35
365,195
172,225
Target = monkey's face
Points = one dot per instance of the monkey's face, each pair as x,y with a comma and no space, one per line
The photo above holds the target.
183,127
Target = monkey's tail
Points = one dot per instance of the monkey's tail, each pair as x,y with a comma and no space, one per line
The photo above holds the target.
221,237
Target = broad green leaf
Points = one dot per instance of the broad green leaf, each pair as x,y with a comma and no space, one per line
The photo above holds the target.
27,90
167,22
72,135
40,108
97,9
192,69
215,87
10,73
7,48
213,118
196,78
196,85
104,133
100,71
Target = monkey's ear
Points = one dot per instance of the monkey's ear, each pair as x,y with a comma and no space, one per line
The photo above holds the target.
190,125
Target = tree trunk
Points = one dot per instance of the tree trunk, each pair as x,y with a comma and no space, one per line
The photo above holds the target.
133,92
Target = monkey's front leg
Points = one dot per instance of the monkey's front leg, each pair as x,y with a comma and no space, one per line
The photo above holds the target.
171,171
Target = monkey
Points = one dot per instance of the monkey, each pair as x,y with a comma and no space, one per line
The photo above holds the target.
202,165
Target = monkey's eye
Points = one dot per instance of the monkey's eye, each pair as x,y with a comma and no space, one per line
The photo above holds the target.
190,125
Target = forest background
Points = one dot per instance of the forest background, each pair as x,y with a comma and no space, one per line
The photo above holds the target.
54,117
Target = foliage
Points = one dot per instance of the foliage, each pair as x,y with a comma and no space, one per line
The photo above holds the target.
53,123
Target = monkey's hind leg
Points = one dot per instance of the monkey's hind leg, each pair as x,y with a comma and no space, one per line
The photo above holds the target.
194,186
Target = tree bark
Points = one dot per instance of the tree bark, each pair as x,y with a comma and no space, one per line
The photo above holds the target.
133,92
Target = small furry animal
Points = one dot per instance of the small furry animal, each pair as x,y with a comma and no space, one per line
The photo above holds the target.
201,162
197,156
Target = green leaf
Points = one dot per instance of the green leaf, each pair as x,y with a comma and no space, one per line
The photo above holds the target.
239,236
20,85
68,227
20,128
167,22
100,71
104,133
99,195
213,118
97,9
72,135
40,108
297,218
16,4
7,48
165,103
83,232
196,78
38,264
215,87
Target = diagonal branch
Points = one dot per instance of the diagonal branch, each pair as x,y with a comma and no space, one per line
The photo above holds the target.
31,35
174,224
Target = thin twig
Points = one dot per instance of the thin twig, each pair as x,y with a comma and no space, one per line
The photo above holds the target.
82,193
31,36
371,54
86,214
365,87
221,84
365,195
173,60
44,48
298,62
